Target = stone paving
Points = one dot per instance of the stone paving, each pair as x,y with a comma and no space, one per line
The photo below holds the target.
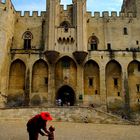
16,130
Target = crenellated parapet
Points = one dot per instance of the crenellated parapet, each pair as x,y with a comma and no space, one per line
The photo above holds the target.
30,14
109,16
68,7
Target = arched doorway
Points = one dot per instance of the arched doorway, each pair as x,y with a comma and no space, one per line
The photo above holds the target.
67,95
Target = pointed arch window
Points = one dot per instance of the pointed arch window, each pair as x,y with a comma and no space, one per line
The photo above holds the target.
27,37
93,43
65,25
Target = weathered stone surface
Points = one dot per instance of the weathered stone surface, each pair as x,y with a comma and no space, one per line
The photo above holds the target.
66,114
106,47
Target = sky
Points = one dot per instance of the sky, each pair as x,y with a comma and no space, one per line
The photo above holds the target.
92,5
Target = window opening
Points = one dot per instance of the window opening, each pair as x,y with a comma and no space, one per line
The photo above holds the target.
90,82
118,93
65,25
139,67
115,81
125,32
46,80
96,92
108,46
27,36
138,87
93,43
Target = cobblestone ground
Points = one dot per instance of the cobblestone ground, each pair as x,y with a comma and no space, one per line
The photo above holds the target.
16,130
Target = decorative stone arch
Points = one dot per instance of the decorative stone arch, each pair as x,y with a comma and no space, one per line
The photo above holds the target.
91,80
27,37
113,80
65,72
134,82
40,76
66,94
16,83
93,42
39,86
65,25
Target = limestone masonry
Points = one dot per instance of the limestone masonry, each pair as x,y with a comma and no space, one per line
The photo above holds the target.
70,55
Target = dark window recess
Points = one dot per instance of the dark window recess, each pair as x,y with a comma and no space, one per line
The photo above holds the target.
108,46
138,87
118,93
66,29
137,42
27,44
66,64
138,100
125,32
138,66
46,80
65,25
93,47
90,81
27,37
115,81
96,92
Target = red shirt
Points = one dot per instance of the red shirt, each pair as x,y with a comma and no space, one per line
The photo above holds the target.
35,125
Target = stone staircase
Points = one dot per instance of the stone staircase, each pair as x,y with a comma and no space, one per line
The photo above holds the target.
66,114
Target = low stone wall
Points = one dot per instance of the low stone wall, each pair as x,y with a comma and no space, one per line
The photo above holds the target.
69,114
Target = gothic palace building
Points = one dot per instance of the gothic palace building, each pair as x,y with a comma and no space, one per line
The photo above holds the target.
70,55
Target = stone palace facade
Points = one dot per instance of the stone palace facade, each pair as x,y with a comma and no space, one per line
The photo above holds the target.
72,55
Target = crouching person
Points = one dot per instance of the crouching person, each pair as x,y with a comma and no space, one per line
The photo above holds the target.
38,122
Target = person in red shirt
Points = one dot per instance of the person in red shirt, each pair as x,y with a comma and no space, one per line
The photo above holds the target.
38,122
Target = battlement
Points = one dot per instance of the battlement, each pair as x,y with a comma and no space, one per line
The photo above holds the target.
30,14
68,7
106,14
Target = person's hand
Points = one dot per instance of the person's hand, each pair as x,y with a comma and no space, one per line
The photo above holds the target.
46,135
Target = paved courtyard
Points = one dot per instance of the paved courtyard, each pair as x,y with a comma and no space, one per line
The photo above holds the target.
16,130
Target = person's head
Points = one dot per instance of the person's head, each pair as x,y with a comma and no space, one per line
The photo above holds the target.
46,116
51,128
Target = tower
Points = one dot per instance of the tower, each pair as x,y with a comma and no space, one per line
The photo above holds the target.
79,11
7,21
53,8
131,6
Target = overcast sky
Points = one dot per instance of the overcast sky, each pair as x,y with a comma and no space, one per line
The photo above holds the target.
92,5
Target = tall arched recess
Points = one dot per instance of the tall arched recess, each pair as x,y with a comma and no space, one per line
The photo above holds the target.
66,73
114,85
39,83
91,82
16,83
134,83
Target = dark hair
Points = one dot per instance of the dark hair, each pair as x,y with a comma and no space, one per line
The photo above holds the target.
52,128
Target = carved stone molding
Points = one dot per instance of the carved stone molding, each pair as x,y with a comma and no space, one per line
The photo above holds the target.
80,56
51,56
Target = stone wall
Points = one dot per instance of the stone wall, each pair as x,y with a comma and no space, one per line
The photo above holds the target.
66,114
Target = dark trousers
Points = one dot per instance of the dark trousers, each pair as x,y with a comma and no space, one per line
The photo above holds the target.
33,135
